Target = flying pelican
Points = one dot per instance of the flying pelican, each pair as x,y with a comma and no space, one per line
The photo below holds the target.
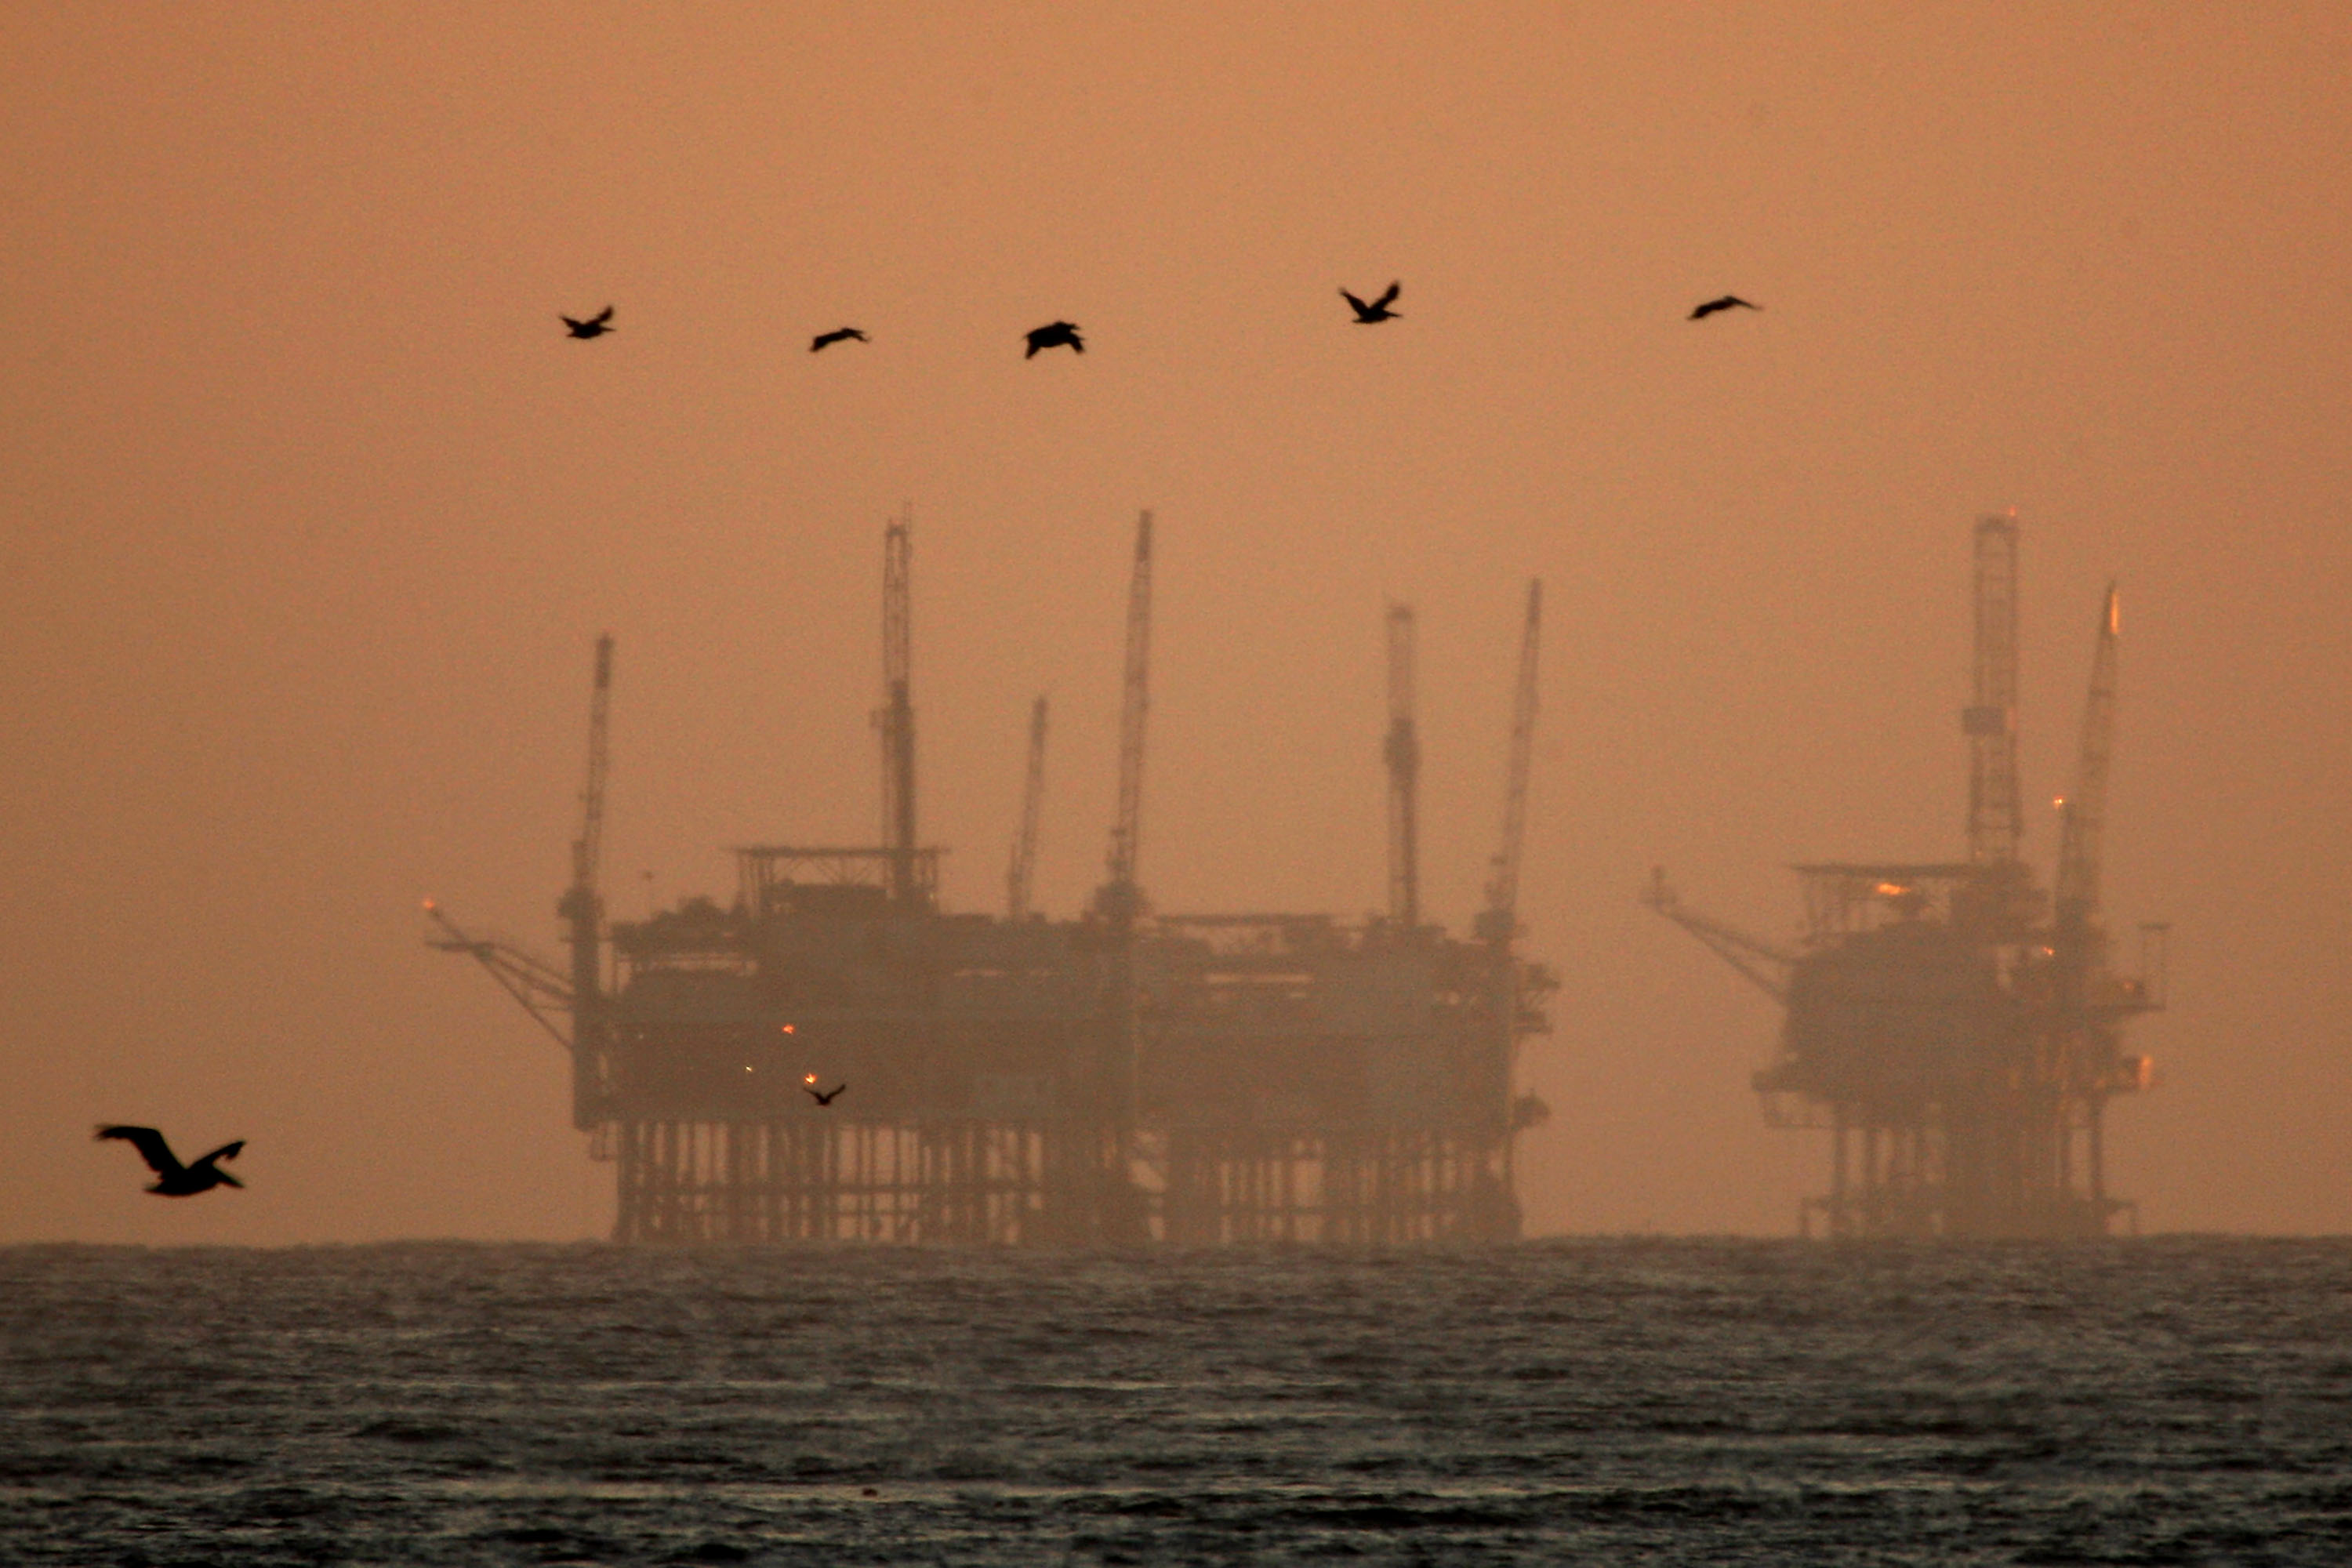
838,335
1054,335
822,1097
1726,303
595,326
174,1180
1378,310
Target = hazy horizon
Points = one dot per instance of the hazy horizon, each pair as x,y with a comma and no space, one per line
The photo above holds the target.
314,514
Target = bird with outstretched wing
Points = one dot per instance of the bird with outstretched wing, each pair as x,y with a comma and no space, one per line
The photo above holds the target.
1728,301
174,1180
1378,310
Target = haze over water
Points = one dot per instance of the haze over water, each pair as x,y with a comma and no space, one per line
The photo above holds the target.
312,515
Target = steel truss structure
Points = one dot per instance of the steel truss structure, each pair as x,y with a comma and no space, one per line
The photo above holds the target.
1955,1029
1118,1079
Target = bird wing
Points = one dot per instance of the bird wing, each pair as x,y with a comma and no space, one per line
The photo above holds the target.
568,321
1358,306
1385,300
601,317
225,1152
151,1146
1726,303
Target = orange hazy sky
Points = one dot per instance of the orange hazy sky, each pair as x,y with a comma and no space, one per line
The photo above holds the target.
312,516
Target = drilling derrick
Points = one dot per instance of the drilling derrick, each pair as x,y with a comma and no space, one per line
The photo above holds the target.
1116,1206
1999,897
582,906
1990,720
1959,1046
897,716
1117,898
1402,751
1032,801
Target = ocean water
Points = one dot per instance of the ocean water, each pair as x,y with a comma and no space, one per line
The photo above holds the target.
2156,1401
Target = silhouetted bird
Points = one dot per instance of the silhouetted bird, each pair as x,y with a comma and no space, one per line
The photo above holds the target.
826,1096
174,1180
1378,310
838,335
1054,335
595,326
1726,303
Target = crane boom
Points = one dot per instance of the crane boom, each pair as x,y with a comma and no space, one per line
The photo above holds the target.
1403,752
896,718
1767,964
1119,896
1033,797
1995,817
2085,809
1119,902
531,980
1500,923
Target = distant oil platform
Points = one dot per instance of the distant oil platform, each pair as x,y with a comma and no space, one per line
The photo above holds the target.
1956,1029
1121,1077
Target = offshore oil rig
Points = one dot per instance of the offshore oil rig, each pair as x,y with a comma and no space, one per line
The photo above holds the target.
1122,1077
1956,1029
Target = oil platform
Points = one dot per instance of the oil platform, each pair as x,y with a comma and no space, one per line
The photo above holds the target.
1122,1077
1956,1029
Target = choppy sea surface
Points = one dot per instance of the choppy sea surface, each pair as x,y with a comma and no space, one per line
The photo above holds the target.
2156,1401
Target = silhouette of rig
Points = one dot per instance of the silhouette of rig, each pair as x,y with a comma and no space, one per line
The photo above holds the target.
1121,1077
1957,1029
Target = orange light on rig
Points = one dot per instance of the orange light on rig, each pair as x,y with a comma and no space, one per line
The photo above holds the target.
1890,890
809,1079
787,1029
